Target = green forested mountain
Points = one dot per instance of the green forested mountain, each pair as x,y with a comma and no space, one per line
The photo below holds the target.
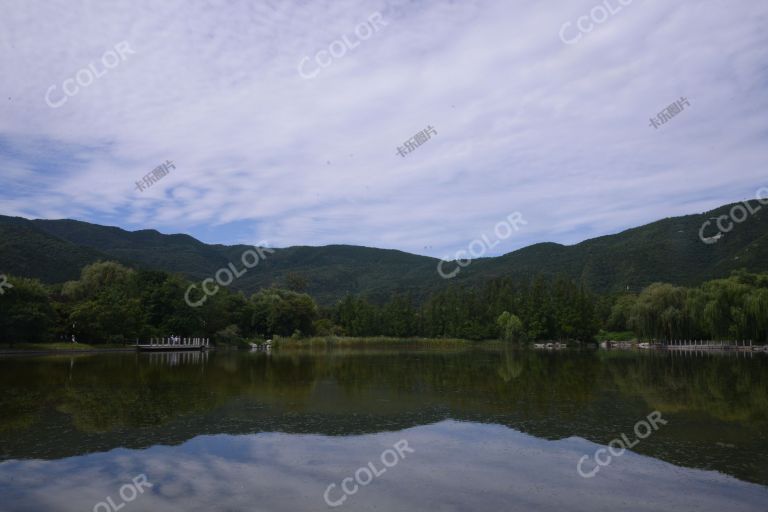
330,272
668,250
26,250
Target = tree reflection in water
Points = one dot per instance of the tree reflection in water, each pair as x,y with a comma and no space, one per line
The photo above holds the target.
717,406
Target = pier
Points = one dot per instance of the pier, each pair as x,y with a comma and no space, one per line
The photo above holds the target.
713,345
174,343
689,346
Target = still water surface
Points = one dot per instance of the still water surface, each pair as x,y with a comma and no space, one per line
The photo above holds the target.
486,430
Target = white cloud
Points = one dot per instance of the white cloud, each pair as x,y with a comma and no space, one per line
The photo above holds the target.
525,123
498,469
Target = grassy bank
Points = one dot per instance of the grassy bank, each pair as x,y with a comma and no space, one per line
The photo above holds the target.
60,347
616,336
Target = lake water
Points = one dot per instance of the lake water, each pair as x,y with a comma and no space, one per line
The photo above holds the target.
404,429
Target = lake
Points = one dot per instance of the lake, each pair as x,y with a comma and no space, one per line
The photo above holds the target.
402,428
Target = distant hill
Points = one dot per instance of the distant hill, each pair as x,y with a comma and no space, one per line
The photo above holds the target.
667,250
56,250
28,251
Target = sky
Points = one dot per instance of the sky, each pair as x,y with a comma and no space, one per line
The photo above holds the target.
285,122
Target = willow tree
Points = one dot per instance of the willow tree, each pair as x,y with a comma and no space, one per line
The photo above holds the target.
510,327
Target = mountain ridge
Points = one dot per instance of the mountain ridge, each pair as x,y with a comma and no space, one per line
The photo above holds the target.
668,250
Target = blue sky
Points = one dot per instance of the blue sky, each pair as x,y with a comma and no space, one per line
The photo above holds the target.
525,121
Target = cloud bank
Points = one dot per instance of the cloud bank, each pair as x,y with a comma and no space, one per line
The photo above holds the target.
525,122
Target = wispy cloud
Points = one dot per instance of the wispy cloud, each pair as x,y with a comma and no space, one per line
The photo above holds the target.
525,122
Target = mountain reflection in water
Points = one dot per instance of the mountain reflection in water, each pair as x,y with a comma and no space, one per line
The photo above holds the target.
490,428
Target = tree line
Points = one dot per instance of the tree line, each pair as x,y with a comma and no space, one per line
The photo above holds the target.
734,308
112,303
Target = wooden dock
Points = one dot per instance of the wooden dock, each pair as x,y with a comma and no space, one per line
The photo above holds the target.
714,345
692,346
174,344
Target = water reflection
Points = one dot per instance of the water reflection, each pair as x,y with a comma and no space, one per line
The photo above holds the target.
717,407
193,357
454,467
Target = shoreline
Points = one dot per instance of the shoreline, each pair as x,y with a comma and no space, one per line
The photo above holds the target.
54,351
363,341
